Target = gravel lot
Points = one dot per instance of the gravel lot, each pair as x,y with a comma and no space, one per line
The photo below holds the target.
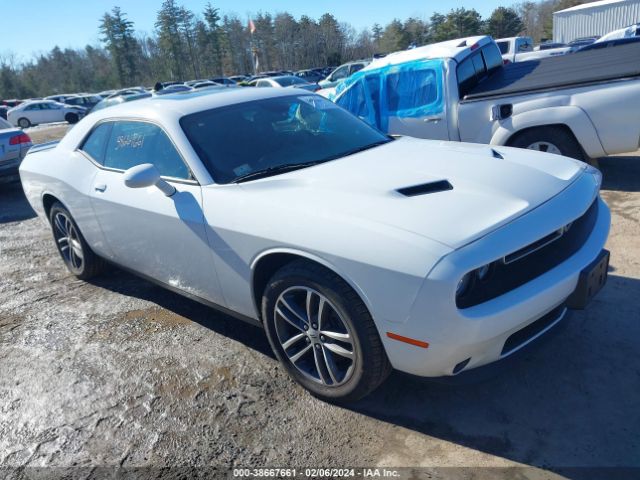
119,372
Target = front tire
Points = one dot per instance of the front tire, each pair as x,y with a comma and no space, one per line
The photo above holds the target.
551,140
322,333
74,250
71,118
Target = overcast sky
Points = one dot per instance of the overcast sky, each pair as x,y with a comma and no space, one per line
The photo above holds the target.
38,25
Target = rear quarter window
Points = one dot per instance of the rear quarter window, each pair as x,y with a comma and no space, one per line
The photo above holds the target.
96,142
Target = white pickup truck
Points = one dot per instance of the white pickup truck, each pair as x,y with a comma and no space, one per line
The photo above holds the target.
520,49
584,105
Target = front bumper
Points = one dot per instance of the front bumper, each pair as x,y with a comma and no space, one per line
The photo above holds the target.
477,335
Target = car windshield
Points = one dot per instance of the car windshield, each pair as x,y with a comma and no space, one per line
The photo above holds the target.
275,133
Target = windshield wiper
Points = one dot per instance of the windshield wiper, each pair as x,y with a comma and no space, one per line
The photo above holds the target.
360,149
270,171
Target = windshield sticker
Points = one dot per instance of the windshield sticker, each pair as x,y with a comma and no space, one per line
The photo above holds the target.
135,140
242,169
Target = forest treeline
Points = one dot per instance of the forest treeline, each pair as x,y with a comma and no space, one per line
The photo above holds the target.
188,45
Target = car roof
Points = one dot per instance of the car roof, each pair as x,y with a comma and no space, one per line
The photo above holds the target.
457,49
177,105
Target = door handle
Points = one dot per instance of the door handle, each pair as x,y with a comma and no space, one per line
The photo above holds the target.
100,188
431,119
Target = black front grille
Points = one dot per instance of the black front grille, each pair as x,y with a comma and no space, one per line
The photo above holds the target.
521,267
522,336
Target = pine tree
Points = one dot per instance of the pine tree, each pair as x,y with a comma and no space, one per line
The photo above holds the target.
118,35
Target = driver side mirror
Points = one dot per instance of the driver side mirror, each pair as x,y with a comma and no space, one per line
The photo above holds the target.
147,175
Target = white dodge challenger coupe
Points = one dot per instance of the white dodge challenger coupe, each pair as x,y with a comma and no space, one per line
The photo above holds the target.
356,252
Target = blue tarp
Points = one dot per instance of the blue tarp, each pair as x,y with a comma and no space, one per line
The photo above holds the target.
409,90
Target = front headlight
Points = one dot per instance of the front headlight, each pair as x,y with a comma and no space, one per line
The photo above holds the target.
463,284
483,272
595,173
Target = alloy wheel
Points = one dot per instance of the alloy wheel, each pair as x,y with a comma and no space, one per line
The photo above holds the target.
545,147
68,241
314,336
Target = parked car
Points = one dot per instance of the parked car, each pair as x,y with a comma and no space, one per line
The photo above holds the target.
520,49
285,82
118,99
311,76
86,101
106,93
59,98
44,111
509,47
207,83
627,32
11,103
460,90
437,260
175,88
610,43
549,46
14,144
239,78
224,81
342,73
578,43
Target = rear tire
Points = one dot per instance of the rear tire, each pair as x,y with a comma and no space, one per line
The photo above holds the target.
71,118
74,250
342,357
551,140
24,122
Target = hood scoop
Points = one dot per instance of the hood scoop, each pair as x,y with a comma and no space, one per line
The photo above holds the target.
426,188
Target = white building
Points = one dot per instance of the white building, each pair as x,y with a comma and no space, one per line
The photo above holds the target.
595,18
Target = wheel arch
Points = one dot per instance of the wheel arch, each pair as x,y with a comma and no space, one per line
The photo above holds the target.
561,126
267,263
572,119
48,199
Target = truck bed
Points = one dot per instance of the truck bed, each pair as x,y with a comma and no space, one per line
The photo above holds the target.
567,71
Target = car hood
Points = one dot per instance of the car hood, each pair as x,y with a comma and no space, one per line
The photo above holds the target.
490,187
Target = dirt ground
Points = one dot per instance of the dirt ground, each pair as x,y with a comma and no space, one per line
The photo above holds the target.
121,373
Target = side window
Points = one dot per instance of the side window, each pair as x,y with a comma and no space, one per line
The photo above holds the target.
504,47
356,67
134,143
411,89
96,142
492,57
470,72
339,74
34,106
263,83
354,100
74,101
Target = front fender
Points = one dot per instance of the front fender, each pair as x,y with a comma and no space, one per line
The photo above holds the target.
573,117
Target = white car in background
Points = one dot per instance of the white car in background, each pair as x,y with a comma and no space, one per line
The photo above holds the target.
44,111
357,253
627,32
520,49
285,81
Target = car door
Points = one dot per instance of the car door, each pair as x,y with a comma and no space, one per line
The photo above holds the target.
34,113
414,102
160,237
52,112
